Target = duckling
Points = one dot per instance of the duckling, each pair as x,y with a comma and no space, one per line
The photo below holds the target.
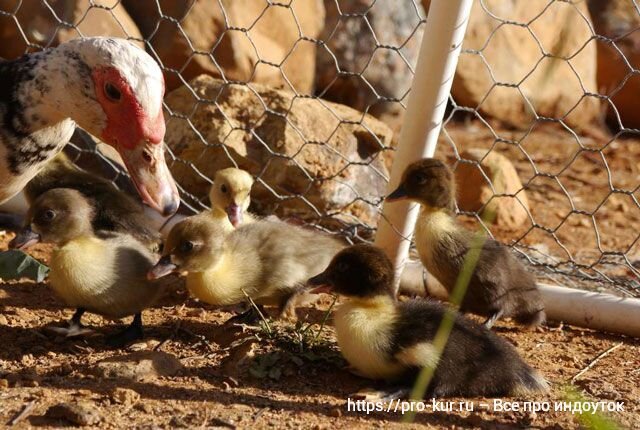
114,210
103,273
382,338
268,261
230,197
500,286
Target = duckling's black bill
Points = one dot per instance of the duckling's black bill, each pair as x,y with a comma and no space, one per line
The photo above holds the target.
24,239
164,267
320,283
399,193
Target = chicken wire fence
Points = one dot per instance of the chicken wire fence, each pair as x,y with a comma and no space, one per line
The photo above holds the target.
525,88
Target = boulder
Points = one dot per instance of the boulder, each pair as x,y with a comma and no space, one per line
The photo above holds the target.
40,26
354,60
514,55
487,176
618,56
311,157
266,44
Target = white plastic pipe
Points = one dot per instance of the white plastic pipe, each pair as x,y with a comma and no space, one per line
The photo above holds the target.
441,44
598,311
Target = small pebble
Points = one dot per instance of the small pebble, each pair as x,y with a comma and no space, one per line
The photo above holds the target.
125,396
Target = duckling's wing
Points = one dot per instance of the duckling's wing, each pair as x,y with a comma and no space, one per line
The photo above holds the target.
289,254
120,212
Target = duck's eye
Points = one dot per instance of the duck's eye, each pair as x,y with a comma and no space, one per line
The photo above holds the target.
112,92
342,267
224,188
186,246
48,215
421,179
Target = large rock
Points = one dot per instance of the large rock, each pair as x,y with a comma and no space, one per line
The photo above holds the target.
491,183
315,157
266,44
618,57
354,60
40,26
514,55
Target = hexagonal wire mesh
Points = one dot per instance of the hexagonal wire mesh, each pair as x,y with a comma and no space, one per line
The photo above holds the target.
525,88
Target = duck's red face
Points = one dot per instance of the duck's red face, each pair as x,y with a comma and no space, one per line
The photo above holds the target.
137,134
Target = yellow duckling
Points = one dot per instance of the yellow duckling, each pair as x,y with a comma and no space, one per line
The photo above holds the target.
385,339
230,197
268,261
103,273
500,286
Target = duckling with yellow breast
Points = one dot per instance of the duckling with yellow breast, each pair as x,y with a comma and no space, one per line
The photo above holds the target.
268,261
98,272
230,197
382,338
500,286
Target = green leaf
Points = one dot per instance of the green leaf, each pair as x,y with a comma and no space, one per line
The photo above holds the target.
15,264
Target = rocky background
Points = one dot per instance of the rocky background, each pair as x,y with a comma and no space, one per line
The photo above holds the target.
309,95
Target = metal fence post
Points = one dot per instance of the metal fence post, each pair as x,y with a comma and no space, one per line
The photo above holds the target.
441,44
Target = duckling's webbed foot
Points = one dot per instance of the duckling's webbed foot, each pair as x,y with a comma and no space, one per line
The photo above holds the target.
493,318
75,327
250,316
130,334
394,394
387,395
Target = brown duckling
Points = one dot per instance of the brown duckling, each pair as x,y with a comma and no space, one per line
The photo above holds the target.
114,210
385,339
103,273
500,286
267,260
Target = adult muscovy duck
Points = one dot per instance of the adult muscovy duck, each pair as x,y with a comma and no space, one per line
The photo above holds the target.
109,87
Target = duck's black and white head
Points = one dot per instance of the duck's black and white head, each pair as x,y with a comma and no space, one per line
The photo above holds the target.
359,271
114,90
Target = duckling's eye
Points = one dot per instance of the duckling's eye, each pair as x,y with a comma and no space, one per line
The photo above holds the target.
342,267
112,93
186,246
421,179
224,188
48,215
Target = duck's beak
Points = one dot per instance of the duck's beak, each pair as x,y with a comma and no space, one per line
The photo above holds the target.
24,239
151,176
320,283
164,267
400,193
234,212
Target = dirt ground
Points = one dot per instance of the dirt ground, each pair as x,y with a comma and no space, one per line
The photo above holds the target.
248,377
207,374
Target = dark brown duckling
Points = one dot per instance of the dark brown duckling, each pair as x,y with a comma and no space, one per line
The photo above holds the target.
103,273
500,286
114,210
385,339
